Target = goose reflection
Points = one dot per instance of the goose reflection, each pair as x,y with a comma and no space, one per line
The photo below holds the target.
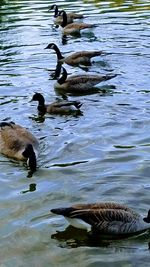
72,237
32,188
55,73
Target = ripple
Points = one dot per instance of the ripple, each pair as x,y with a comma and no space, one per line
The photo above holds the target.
100,156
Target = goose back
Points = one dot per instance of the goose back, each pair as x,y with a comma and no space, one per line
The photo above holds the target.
58,18
105,218
59,107
73,28
70,14
81,57
80,83
65,108
13,140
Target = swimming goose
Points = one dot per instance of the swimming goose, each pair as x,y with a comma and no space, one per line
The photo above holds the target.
73,28
105,218
18,143
70,16
62,107
80,83
58,18
82,57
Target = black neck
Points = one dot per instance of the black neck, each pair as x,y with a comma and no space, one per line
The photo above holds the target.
41,108
41,104
147,219
63,78
59,55
57,70
29,154
56,10
64,15
32,162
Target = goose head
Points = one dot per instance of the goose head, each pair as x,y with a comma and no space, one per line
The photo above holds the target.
55,7
31,157
56,49
41,106
38,97
50,46
147,219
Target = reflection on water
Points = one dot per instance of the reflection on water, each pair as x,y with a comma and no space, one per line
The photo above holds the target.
101,156
73,238
32,188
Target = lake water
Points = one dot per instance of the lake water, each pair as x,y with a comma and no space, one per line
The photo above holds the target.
103,155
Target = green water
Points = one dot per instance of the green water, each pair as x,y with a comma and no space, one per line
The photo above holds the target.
103,155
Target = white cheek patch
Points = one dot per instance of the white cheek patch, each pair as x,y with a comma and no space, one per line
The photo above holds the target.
28,162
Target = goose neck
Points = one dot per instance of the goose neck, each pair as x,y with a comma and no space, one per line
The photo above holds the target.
64,16
41,104
63,78
59,55
56,11
29,154
32,161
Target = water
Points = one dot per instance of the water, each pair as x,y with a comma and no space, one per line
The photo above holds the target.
103,155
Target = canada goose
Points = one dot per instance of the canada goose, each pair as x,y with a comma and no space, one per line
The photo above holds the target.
80,83
62,108
58,18
18,143
73,28
70,16
105,218
82,57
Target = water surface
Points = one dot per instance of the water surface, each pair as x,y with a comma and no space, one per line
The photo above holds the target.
103,155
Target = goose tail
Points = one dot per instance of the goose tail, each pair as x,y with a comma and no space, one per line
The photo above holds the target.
97,53
109,76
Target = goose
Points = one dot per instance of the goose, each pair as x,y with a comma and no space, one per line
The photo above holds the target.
58,18
72,28
105,218
82,57
62,107
80,83
70,16
18,143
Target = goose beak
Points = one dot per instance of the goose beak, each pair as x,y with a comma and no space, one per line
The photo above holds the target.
46,47
31,100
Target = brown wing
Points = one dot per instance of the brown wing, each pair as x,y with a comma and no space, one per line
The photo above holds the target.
89,54
91,78
78,26
82,79
64,103
9,139
24,134
96,217
102,205
63,107
15,136
75,15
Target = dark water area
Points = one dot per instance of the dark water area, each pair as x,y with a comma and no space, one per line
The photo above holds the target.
103,155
